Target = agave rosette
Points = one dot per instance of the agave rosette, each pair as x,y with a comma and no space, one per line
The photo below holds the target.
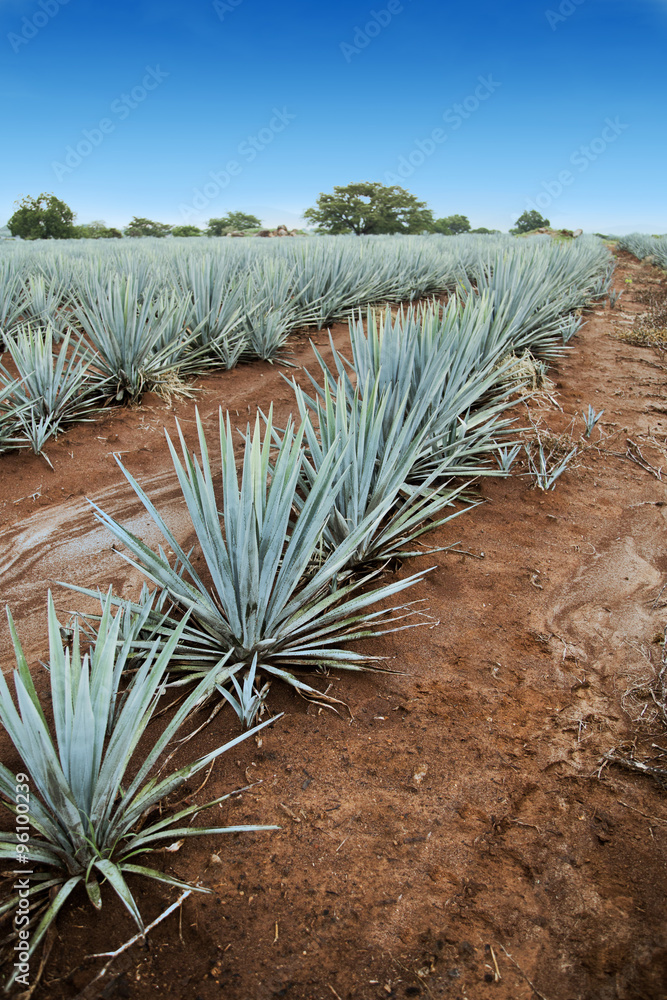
265,599
88,821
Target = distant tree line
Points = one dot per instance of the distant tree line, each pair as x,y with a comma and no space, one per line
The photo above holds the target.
366,208
48,218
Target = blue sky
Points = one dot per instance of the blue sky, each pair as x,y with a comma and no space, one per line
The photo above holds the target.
179,111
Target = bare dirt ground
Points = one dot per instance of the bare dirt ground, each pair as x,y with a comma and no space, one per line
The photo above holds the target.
457,837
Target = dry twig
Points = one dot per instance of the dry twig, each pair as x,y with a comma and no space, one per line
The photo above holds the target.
517,966
653,819
659,773
113,955
634,453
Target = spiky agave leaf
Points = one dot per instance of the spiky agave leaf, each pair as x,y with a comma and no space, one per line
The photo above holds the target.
83,812
377,464
11,411
270,310
263,602
148,620
442,361
126,323
56,387
217,308
44,302
12,296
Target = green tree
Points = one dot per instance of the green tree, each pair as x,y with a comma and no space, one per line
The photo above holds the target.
370,208
186,231
232,222
452,225
96,226
92,231
42,218
484,232
95,230
529,221
146,227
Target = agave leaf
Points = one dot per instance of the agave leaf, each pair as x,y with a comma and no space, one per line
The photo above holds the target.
129,728
39,852
22,667
40,757
153,791
94,893
167,821
191,831
161,877
40,818
114,876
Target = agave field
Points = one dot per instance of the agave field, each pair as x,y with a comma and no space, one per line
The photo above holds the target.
292,547
642,246
85,328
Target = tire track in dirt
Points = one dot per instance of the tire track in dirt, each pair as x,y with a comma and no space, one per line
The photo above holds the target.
605,613
65,542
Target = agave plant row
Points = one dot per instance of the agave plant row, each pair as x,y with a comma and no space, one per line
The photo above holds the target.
384,448
641,246
102,324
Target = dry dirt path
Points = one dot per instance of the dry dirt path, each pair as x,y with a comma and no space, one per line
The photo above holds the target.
460,817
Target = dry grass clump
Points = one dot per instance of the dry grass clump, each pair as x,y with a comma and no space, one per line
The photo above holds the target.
171,384
645,336
653,293
558,445
646,701
650,330
526,375
548,458
646,704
